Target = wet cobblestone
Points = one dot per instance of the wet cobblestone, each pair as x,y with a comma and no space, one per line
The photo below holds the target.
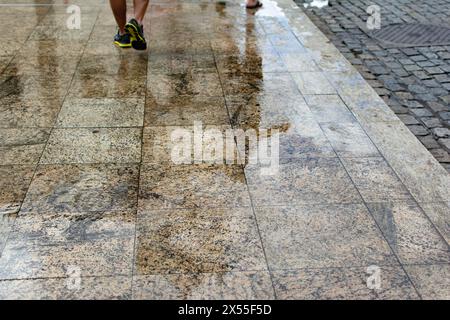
414,81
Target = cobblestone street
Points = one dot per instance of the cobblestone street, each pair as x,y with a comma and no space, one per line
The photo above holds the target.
413,80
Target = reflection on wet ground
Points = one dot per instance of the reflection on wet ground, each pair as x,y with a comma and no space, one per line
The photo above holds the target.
88,188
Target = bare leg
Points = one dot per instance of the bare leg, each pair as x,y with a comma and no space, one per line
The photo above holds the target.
119,9
140,7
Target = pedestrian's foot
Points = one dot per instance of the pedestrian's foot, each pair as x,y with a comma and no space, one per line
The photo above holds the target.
137,35
122,40
253,4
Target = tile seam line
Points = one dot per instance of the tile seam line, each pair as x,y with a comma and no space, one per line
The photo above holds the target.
245,177
43,150
363,123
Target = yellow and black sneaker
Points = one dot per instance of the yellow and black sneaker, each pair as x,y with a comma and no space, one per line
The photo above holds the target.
137,34
122,40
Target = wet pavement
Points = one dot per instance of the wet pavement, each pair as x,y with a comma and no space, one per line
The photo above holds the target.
93,205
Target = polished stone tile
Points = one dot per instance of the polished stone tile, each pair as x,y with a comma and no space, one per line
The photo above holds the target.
90,288
34,87
342,284
55,32
431,281
82,188
313,83
439,214
250,62
169,86
18,113
171,64
349,140
105,112
180,241
184,110
375,180
51,48
424,177
129,65
298,62
321,236
329,108
93,145
4,61
38,65
302,181
14,184
43,246
22,146
275,84
409,233
229,285
6,224
192,186
110,86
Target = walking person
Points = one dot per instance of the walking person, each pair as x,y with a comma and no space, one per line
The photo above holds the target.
131,33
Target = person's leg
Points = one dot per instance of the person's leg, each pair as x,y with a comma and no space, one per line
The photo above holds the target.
140,7
119,9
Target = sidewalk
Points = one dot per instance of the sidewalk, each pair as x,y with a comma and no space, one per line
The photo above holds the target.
93,206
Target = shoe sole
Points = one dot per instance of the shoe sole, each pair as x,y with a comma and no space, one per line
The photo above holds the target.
137,41
121,45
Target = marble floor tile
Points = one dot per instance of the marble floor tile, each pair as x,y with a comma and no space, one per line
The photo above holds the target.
44,246
82,188
313,83
107,86
6,224
321,236
90,288
93,145
410,234
54,32
349,140
375,180
22,146
106,112
302,181
192,186
298,62
343,284
329,108
250,62
194,84
432,281
230,285
185,110
439,214
180,241
124,65
19,113
14,183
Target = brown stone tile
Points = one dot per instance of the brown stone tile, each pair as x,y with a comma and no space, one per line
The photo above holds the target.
38,65
192,186
90,288
409,233
432,281
14,184
93,145
82,188
22,146
375,180
342,284
53,245
302,181
232,285
180,241
124,65
321,236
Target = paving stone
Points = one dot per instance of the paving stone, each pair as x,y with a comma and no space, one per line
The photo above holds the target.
418,130
408,119
421,112
441,132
